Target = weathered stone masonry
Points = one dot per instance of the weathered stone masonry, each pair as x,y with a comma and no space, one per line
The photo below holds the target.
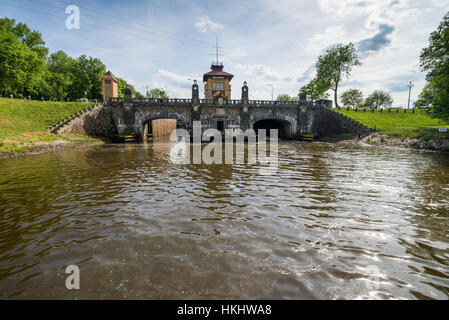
127,116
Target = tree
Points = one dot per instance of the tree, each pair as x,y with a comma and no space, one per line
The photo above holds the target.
60,75
157,93
336,64
379,99
427,97
316,89
22,59
32,39
435,60
87,78
287,98
121,85
352,97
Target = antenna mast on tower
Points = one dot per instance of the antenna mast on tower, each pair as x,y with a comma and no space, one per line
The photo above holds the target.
217,54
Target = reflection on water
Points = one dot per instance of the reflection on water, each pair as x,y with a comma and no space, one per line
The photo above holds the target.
139,226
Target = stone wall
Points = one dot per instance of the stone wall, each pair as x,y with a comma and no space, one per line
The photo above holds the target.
96,123
129,118
324,122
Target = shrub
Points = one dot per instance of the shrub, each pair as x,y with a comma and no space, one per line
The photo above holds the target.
429,145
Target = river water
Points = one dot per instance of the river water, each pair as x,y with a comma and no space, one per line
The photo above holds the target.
335,222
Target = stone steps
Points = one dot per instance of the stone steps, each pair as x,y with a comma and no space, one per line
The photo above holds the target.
350,120
61,124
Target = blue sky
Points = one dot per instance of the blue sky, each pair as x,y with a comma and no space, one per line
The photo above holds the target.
164,43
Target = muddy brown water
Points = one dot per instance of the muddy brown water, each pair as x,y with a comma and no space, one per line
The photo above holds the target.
335,222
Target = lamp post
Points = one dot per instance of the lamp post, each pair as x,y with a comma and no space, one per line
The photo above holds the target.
272,89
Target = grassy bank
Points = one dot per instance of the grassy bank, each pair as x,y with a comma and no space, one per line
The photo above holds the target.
23,124
421,125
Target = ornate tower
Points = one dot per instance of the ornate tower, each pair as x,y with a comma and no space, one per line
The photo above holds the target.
217,83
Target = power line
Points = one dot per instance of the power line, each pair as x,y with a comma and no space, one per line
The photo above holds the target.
139,23
173,36
115,23
97,26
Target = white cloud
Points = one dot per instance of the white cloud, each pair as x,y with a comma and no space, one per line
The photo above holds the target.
204,24
441,3
262,72
176,85
235,54
347,8
376,11
320,41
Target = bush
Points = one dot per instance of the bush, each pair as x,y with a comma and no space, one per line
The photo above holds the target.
429,145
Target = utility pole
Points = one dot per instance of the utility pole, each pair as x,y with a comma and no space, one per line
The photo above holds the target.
410,86
272,89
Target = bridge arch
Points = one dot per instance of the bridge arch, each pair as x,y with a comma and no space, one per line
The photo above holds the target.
286,124
162,115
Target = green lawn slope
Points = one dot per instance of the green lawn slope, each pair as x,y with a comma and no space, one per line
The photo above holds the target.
420,124
24,123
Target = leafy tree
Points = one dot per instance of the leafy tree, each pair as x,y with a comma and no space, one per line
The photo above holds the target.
32,39
379,99
427,97
157,93
87,78
137,94
336,64
121,85
60,75
435,60
287,98
22,59
353,98
26,70
316,89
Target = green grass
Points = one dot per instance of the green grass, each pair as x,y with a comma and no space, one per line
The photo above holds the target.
25,123
413,125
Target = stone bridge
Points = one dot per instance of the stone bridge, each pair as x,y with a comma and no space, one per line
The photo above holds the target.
293,119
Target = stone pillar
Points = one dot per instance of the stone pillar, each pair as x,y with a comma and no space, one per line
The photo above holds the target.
128,113
302,98
195,112
195,94
245,93
244,114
